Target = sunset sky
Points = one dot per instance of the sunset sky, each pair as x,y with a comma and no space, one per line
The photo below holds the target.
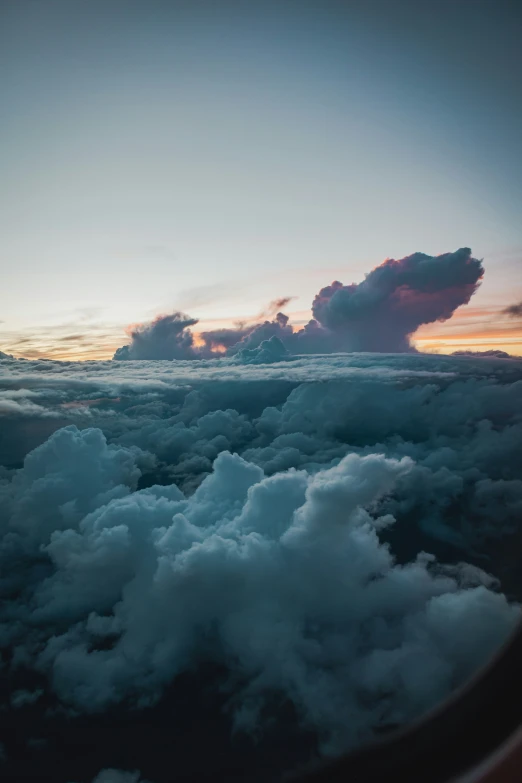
260,385
212,157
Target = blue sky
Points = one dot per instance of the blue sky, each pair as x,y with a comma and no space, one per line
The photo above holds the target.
164,155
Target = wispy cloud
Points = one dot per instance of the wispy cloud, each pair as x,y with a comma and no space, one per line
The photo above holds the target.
207,295
514,310
93,340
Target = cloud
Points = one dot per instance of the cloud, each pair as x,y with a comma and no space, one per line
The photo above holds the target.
275,306
514,310
326,532
21,698
74,338
15,405
278,327
170,337
491,353
167,337
268,351
379,314
217,341
249,572
395,298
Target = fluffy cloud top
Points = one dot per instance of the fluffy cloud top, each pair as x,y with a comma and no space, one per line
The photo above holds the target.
397,297
322,530
167,337
282,578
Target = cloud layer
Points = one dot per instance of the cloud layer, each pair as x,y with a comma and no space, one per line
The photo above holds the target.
167,337
321,531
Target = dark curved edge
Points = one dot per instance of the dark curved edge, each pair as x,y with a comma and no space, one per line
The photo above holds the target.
451,740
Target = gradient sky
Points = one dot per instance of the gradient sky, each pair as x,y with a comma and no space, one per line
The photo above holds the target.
213,156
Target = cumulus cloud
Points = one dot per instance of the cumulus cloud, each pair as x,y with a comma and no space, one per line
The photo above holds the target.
217,341
282,578
167,337
322,531
268,351
170,337
378,314
396,297
278,327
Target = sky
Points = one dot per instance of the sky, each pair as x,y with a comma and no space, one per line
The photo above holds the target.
160,156
278,534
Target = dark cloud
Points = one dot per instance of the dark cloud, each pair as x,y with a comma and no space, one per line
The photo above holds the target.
167,337
395,298
221,340
268,351
170,337
278,327
268,519
204,513
244,336
74,338
164,575
514,310
277,304
274,307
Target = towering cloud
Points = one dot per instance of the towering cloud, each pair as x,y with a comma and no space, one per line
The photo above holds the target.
167,337
395,298
379,314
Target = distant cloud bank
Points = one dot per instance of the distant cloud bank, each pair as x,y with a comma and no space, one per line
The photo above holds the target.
378,314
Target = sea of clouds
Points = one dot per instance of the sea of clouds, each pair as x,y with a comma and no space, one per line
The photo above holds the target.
248,546
338,533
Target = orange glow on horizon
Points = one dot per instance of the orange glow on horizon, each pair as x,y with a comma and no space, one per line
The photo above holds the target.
472,327
442,341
